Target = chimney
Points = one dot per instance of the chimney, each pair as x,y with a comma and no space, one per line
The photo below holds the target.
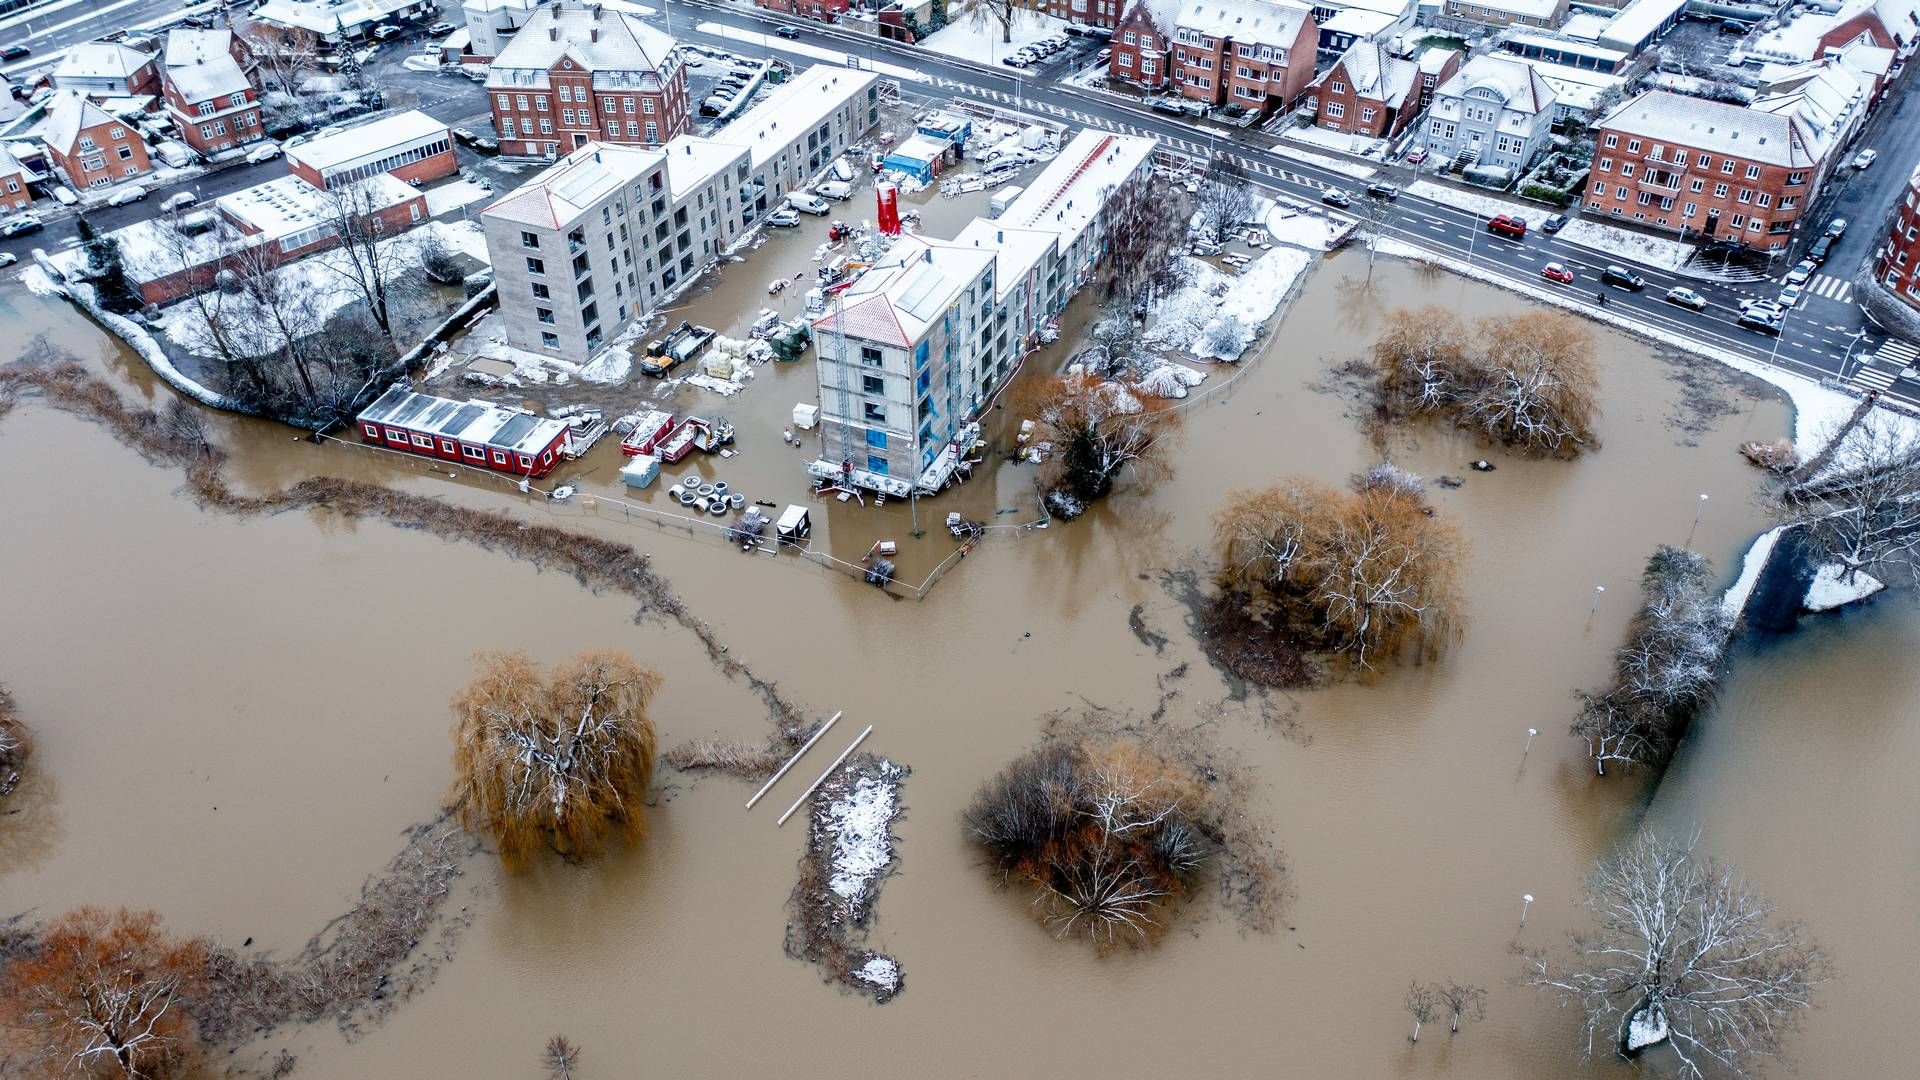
553,33
593,34
928,256
595,8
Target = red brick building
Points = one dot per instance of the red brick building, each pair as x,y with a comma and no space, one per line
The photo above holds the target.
821,10
1367,92
103,69
1707,168
1885,23
577,73
411,146
13,183
1437,65
89,147
1249,53
1898,264
1143,45
1103,13
205,80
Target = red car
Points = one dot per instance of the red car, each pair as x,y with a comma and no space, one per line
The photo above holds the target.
1507,225
1556,273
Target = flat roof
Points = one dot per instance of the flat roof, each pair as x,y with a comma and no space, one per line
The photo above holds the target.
1066,197
1638,20
368,142
480,423
794,108
692,161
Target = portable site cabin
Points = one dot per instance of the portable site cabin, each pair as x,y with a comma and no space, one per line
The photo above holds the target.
1004,198
641,471
794,526
921,157
476,433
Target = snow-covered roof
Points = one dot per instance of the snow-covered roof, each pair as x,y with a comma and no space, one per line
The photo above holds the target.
367,142
1377,76
692,161
1165,14
1434,58
1513,80
1396,8
200,65
574,184
1770,137
1584,25
287,205
1576,88
1636,22
595,39
477,423
1243,21
1611,57
1823,107
100,60
324,17
1532,9
1016,251
68,114
793,108
1360,22
1071,191
9,165
900,299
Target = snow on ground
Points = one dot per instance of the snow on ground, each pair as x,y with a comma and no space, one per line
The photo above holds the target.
1830,589
1653,250
1216,315
1308,157
1645,1028
1337,140
859,824
1302,228
979,40
831,56
1091,77
881,971
1735,600
1170,380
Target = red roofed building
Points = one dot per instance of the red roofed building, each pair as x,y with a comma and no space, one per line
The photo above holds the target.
209,93
89,147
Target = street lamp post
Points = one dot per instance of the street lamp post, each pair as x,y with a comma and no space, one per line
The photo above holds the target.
1701,509
1526,901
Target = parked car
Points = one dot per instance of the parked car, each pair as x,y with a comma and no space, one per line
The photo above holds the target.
1416,155
1817,251
178,200
440,28
837,190
1622,278
1103,56
1865,158
294,140
1837,227
1801,272
15,52
1767,309
1016,61
788,32
1686,297
1335,197
8,258
126,196
1169,106
20,226
1733,26
715,105
1508,226
1791,295
1554,272
1554,224
1383,191
387,33
266,151
783,218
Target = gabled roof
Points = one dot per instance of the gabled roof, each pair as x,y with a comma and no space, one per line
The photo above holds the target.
1243,21
574,184
199,64
1163,14
1375,75
594,38
323,17
1515,80
870,319
1770,137
100,60
68,114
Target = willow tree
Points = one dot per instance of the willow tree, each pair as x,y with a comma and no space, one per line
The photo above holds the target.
558,759
1098,430
1527,381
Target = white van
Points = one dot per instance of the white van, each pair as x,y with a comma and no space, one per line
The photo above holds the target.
811,203
837,190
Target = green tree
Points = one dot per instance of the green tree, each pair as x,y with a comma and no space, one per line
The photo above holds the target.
107,269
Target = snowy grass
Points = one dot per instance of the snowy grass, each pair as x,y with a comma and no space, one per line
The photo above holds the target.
1308,157
453,196
1216,315
1288,224
1328,139
1830,589
1735,600
979,40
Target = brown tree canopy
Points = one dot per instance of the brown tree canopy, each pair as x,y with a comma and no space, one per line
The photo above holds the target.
15,744
1366,573
554,759
1525,380
1098,429
104,995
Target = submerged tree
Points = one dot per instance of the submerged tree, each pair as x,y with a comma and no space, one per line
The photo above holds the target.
561,1057
1423,1004
103,994
1862,511
15,744
1098,430
558,759
1107,836
1462,1002
1526,381
1686,958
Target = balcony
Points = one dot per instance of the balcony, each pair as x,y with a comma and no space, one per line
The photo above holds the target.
1663,183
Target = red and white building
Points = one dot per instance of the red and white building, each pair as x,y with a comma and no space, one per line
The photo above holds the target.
1251,53
1367,92
577,73
1898,263
820,10
476,433
13,182
209,93
104,69
410,146
1143,45
1886,24
88,146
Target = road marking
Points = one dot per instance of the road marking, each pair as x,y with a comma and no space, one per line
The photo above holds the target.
1832,288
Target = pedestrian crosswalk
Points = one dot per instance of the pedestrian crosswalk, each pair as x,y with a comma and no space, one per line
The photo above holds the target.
1880,370
1831,287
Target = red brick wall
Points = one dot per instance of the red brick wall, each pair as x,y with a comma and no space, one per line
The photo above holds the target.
171,287
1149,45
822,10
1338,107
1898,264
1272,83
590,120
1773,185
1089,12
113,168
13,192
1200,72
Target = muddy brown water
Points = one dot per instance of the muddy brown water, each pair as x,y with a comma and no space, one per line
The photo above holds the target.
293,673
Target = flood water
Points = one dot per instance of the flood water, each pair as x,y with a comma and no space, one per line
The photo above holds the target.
236,719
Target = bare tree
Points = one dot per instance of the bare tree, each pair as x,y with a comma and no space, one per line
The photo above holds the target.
1423,1004
1378,216
379,270
1422,356
15,744
1226,201
981,12
1526,380
1462,1002
554,759
1863,512
1685,958
283,61
561,1058
102,995
1147,241
1098,430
